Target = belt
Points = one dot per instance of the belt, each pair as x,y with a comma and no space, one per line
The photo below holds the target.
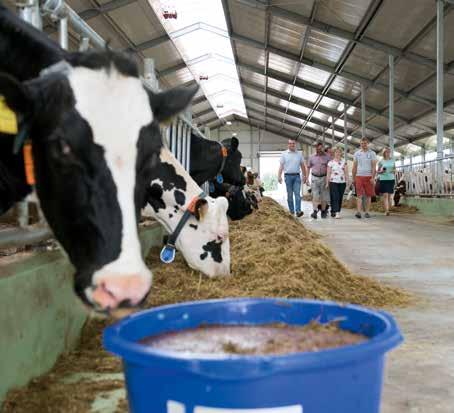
319,176
292,174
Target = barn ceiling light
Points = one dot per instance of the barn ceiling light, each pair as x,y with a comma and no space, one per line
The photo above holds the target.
200,35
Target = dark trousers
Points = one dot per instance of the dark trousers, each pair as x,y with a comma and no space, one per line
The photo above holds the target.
336,192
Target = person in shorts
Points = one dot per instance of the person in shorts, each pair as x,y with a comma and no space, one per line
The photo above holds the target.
386,175
364,170
317,165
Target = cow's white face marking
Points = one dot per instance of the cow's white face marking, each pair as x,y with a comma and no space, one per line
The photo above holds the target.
116,128
213,226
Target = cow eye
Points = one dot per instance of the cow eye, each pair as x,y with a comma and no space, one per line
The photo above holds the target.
63,153
64,148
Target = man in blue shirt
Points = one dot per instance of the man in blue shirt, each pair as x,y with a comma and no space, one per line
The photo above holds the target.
291,163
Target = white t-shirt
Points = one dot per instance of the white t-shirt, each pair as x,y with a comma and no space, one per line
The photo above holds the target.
364,162
337,171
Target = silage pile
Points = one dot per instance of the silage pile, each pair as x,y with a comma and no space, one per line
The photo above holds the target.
380,207
273,255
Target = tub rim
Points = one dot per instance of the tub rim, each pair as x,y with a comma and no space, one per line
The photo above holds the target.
240,367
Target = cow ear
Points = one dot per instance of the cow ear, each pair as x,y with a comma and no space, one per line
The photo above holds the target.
16,95
234,143
170,103
200,209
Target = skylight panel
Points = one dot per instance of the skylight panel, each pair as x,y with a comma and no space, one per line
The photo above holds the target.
198,30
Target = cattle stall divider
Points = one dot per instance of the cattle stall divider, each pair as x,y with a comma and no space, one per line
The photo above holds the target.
177,135
434,178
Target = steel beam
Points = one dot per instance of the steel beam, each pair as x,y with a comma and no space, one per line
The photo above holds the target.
345,132
282,77
363,111
172,69
304,41
319,65
303,103
152,43
203,113
63,33
322,124
228,21
391,105
276,130
104,8
346,35
267,55
440,77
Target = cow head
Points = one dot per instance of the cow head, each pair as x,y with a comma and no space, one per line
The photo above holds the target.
95,133
203,241
232,172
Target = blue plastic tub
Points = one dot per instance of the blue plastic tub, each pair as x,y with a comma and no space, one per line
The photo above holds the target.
345,380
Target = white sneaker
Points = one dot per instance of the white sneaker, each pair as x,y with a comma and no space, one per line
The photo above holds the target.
338,215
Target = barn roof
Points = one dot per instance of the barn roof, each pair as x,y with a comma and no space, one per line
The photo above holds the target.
292,66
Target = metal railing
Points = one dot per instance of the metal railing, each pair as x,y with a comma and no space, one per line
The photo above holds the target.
430,178
177,135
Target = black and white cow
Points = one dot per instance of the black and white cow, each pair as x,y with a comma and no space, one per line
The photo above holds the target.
208,160
96,147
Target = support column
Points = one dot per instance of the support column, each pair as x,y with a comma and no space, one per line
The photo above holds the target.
149,74
363,110
423,153
251,148
440,95
29,11
207,132
258,153
63,32
184,140
332,131
391,105
345,132
84,44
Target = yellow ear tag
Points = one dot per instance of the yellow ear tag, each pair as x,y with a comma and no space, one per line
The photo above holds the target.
8,120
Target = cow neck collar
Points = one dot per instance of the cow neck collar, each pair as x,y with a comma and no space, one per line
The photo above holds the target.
224,154
168,251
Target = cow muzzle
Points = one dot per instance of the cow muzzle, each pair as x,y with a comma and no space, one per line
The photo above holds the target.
113,291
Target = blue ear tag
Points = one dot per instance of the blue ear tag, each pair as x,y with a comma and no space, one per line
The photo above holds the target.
219,178
167,254
211,187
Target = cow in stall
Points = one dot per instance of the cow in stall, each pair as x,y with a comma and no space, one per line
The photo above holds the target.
220,165
96,147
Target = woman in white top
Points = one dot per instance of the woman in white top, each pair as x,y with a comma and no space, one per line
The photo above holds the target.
336,181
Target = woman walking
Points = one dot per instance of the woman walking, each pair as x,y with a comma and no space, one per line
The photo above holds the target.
336,181
386,174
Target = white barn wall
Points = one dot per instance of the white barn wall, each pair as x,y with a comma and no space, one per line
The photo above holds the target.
249,141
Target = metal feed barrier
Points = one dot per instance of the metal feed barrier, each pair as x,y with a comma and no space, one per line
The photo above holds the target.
177,135
430,178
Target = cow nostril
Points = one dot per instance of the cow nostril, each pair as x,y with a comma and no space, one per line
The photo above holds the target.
125,304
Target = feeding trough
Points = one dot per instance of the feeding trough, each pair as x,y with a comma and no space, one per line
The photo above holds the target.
346,379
